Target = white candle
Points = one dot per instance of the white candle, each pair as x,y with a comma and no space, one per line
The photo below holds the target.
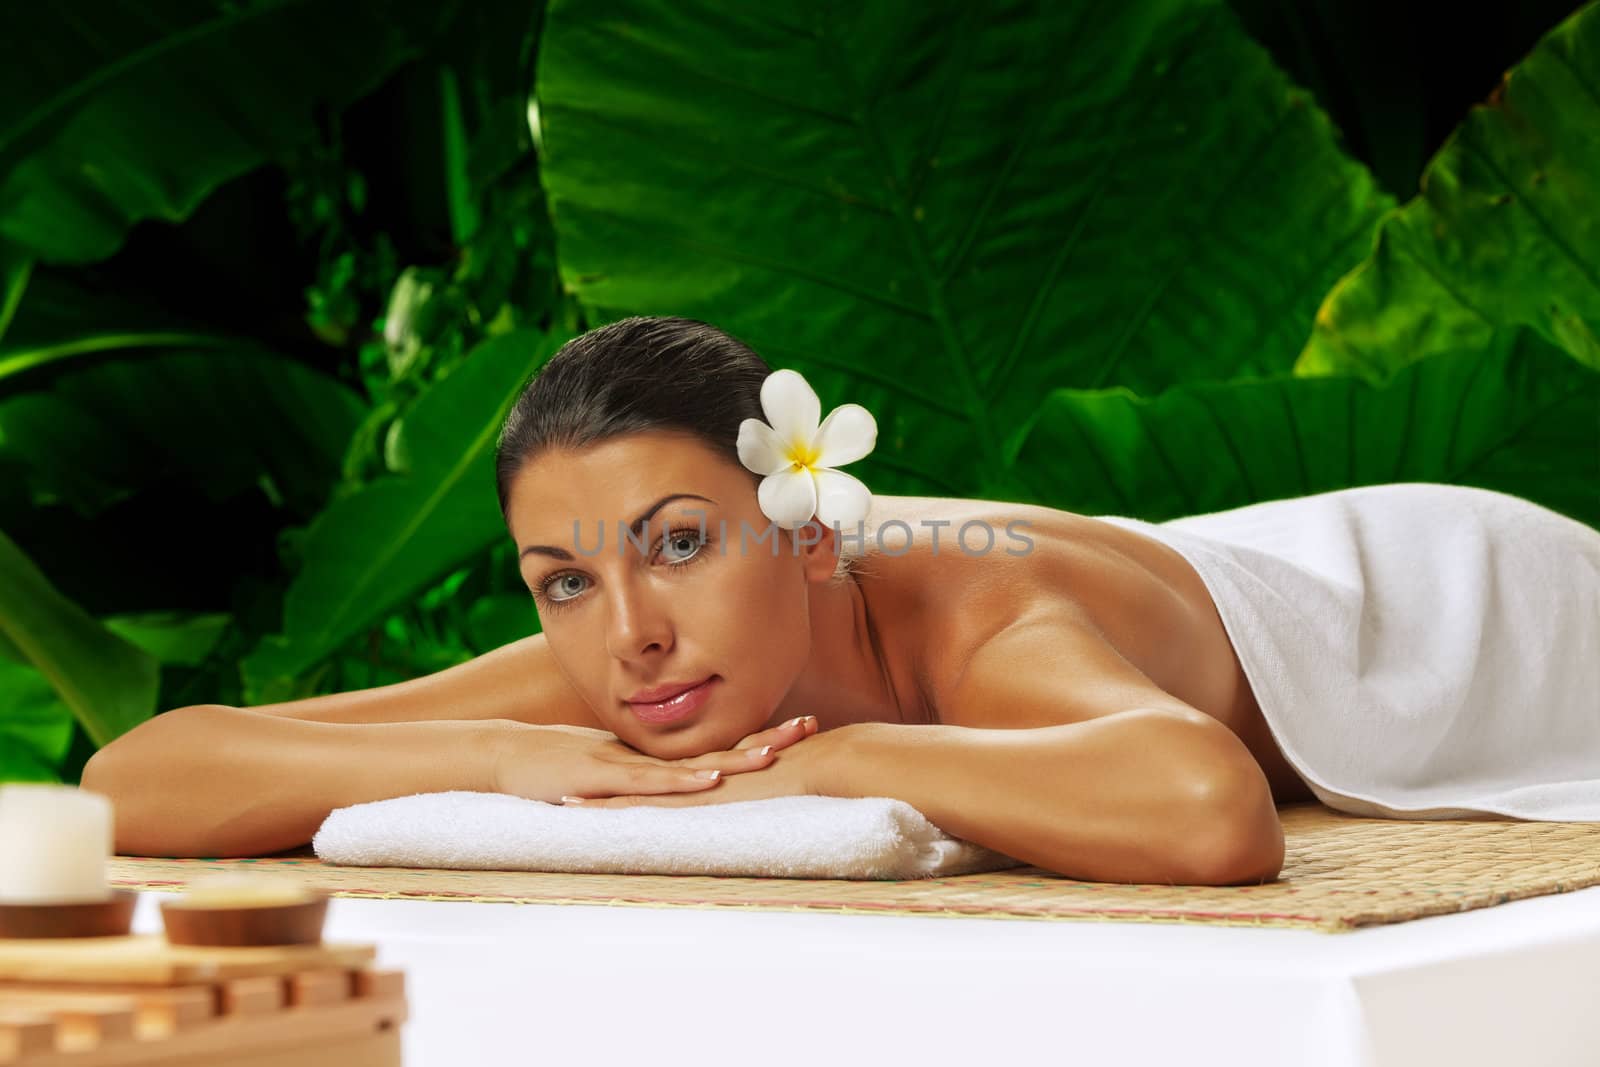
54,843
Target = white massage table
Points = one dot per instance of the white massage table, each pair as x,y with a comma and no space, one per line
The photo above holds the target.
493,984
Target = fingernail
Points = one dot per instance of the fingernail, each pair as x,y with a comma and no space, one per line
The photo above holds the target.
761,752
572,800
796,721
713,775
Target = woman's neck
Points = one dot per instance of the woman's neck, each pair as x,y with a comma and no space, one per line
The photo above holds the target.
857,668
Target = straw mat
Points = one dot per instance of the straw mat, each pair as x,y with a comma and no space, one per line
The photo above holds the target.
1340,872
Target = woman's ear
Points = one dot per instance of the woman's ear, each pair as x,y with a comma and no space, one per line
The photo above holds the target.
819,550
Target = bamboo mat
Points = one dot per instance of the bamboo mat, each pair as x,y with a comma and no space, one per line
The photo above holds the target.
1340,872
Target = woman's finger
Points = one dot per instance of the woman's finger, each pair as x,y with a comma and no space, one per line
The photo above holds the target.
753,753
757,750
626,779
781,736
639,775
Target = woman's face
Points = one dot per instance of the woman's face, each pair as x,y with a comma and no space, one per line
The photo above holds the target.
692,602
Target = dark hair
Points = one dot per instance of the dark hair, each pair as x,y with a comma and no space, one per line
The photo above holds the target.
640,373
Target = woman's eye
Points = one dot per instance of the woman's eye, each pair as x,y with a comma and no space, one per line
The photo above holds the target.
678,539
557,586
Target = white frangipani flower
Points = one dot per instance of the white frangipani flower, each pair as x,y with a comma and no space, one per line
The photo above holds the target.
796,456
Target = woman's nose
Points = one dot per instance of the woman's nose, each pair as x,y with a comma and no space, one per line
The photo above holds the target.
636,623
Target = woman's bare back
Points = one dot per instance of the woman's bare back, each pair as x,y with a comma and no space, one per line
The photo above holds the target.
1145,599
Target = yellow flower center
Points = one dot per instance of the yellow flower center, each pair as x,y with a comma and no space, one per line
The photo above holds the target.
802,455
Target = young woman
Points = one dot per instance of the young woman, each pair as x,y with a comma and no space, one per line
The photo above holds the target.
725,617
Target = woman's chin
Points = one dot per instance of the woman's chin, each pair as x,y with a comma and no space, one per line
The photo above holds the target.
684,744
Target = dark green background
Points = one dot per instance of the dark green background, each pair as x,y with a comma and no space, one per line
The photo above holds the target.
221,485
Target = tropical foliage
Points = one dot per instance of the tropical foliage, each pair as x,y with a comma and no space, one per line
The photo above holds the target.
271,274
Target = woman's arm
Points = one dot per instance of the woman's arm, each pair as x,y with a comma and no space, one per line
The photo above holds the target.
1149,795
520,681
213,780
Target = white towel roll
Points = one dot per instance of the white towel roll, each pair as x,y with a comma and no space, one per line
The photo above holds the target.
781,837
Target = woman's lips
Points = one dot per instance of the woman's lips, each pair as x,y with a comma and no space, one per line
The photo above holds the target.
679,707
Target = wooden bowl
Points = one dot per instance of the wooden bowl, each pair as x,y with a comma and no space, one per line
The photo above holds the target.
267,924
99,918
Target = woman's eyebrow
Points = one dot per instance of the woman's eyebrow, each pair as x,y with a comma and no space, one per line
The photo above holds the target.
637,526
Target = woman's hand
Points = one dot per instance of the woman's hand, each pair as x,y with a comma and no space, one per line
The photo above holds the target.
799,771
551,763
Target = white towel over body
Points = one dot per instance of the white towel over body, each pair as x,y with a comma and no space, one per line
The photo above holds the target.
1418,650
780,837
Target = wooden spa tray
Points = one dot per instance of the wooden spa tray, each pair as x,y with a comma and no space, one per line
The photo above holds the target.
111,1001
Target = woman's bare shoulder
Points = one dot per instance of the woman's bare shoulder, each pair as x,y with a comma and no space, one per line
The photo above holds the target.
1062,576
520,681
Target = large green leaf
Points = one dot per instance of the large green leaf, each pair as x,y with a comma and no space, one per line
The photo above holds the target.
137,110
35,724
221,421
15,267
380,546
183,638
1517,416
61,316
109,684
1505,232
943,210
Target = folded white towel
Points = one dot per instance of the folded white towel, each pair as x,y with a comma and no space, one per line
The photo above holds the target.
781,837
1420,651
